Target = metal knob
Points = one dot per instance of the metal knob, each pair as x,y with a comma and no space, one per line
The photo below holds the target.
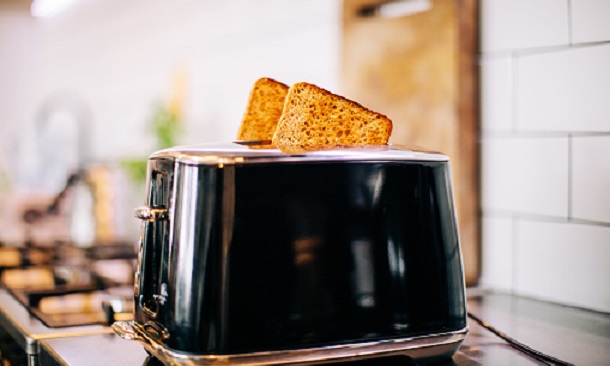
146,213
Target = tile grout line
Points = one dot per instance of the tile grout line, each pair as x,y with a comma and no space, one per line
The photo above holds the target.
570,30
570,175
503,54
528,216
513,94
540,134
514,277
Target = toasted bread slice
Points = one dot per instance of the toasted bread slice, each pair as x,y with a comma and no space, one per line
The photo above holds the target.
314,118
264,109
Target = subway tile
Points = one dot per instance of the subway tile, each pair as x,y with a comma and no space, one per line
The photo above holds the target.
497,253
591,178
527,175
565,90
564,262
518,24
496,94
590,21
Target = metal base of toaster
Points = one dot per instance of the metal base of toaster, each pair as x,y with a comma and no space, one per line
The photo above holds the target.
428,347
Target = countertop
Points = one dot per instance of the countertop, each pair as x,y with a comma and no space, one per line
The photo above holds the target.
574,335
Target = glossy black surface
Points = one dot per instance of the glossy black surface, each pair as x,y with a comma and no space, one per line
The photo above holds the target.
282,256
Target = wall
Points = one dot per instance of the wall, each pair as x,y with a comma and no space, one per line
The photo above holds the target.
104,64
116,59
19,50
545,73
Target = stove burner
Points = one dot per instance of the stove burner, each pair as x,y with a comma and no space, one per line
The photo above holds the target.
66,285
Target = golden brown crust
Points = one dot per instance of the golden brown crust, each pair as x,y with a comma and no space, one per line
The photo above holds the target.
265,105
313,116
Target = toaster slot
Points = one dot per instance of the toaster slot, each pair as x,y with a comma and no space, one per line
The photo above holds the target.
152,293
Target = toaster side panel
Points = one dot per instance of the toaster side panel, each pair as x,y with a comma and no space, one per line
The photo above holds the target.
333,253
193,315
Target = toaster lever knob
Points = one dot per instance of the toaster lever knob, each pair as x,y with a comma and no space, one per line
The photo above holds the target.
146,213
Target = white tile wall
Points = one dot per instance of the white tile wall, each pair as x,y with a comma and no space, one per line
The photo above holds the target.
565,90
497,255
496,94
590,21
546,150
526,175
567,263
520,24
591,178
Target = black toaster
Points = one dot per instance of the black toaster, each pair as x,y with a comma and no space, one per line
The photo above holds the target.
250,256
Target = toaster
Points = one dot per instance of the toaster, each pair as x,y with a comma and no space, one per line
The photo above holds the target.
250,256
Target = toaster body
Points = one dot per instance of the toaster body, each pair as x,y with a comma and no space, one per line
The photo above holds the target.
255,257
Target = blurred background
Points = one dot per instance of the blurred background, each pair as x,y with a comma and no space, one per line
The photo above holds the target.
105,82
515,92
109,63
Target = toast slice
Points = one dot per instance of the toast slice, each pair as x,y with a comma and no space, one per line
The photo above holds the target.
265,105
315,118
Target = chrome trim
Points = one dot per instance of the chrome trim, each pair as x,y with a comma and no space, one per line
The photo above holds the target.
417,348
238,152
228,218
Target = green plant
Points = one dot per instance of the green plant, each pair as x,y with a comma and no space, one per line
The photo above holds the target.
165,125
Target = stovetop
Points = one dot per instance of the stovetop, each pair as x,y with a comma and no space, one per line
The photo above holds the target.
66,286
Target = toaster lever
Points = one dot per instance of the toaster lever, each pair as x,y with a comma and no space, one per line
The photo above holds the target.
146,213
151,293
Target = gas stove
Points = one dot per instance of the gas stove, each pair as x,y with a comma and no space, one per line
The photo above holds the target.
61,290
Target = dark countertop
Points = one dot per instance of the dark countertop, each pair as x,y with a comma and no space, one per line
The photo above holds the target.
574,335
578,336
